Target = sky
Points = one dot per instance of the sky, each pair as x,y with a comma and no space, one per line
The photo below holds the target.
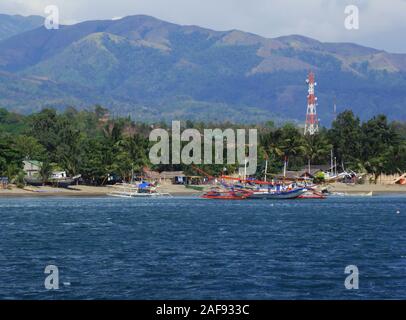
382,23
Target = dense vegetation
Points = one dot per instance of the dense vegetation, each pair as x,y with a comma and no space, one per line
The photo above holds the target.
91,144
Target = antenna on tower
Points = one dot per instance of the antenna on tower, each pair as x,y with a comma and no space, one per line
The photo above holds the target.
312,121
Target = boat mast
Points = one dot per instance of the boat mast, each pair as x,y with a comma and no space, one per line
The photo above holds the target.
266,169
335,165
285,167
245,169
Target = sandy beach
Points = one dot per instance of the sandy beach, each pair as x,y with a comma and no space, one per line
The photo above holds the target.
29,191
366,188
83,191
179,190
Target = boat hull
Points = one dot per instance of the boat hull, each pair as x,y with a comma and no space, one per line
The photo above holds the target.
138,195
223,197
284,195
36,182
311,194
227,195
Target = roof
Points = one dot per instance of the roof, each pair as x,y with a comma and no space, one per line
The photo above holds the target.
294,175
306,173
289,175
33,162
164,174
171,174
317,167
151,174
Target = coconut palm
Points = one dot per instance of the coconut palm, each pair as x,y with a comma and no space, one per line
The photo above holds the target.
45,171
317,148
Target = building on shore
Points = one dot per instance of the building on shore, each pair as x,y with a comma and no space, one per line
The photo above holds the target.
4,182
172,177
32,168
307,173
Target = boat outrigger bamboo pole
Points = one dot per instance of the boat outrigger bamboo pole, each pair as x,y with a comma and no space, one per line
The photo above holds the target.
335,165
332,163
284,168
266,169
245,169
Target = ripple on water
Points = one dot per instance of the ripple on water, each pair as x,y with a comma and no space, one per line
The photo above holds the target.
191,248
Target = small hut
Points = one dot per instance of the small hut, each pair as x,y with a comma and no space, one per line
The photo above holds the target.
32,168
173,177
4,182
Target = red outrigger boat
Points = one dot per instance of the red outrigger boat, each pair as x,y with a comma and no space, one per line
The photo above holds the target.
227,195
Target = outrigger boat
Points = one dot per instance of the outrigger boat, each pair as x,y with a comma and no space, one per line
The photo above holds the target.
278,195
267,190
143,190
312,194
60,182
343,194
243,189
227,194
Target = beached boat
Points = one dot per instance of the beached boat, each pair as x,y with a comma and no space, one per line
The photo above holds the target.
227,194
278,195
345,194
34,181
143,190
120,194
313,194
59,182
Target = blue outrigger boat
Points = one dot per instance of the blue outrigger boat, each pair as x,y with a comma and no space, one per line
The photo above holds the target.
266,190
278,195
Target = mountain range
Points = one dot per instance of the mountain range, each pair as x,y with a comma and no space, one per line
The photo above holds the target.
12,25
155,70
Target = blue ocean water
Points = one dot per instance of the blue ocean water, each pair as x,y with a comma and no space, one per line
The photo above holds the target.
189,248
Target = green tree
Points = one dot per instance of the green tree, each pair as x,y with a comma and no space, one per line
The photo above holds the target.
45,171
346,137
9,156
380,145
43,127
292,145
29,147
317,148
68,152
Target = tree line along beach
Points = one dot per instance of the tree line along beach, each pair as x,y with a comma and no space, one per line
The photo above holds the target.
103,150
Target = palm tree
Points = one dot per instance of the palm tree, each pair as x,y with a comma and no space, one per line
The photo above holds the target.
271,144
292,143
45,171
317,148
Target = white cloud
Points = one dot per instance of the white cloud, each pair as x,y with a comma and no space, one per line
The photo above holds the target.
381,22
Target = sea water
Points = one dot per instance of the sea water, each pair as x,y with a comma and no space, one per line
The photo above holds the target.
190,248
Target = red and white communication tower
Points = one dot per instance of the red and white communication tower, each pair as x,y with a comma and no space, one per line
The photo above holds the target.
312,121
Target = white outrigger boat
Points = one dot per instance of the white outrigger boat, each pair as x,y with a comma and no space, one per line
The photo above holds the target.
281,194
144,190
345,194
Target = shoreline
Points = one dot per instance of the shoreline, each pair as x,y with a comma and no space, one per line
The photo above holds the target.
182,191
376,189
84,191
